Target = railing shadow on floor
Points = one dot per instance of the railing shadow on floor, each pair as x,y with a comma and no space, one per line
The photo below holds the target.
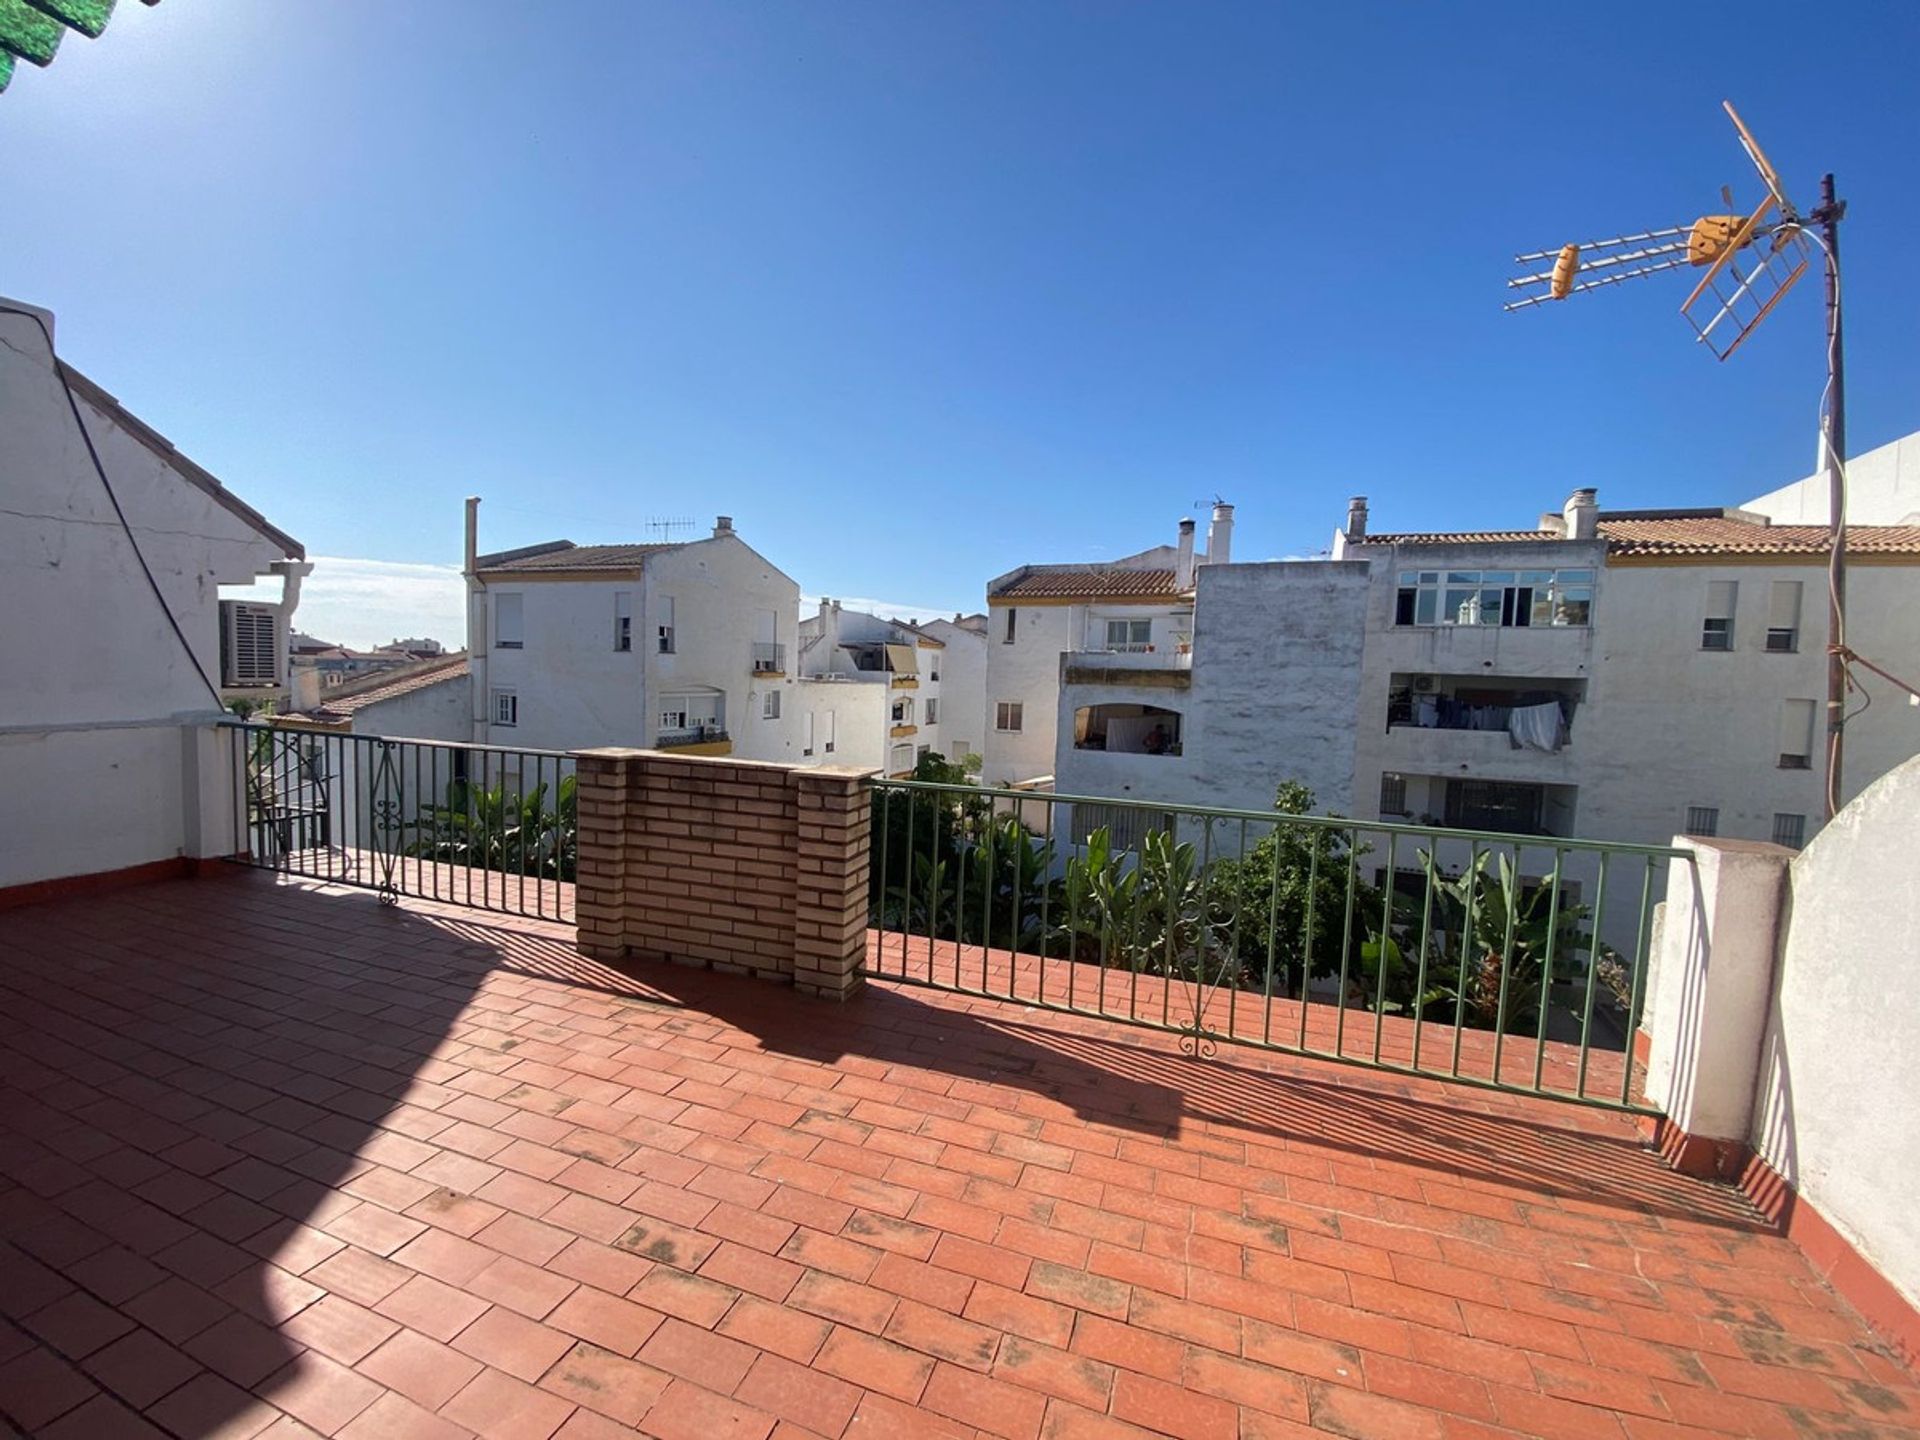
1136,1082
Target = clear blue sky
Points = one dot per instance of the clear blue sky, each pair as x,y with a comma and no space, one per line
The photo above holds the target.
920,292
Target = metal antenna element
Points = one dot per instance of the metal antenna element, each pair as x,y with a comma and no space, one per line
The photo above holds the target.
663,529
1751,262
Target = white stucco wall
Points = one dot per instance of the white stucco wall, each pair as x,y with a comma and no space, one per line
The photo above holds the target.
434,712
963,689
97,684
1883,488
1027,670
858,726
1839,1089
575,690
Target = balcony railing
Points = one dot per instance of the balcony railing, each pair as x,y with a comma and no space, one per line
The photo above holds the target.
1510,961
769,659
483,825
690,735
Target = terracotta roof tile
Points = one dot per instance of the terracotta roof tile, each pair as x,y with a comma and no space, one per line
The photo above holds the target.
1708,536
1084,582
342,707
575,557
1692,535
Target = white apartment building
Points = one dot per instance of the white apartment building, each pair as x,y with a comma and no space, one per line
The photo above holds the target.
871,692
683,645
963,682
1625,675
120,651
1138,605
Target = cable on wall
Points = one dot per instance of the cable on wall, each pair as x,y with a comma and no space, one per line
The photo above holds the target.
101,470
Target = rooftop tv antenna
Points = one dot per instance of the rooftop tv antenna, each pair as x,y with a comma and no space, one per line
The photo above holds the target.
1751,261
667,529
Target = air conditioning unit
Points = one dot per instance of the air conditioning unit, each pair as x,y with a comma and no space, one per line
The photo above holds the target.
1425,684
248,655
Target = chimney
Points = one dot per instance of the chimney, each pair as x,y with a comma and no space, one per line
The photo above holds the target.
1183,563
1220,535
1581,513
1357,518
473,532
722,525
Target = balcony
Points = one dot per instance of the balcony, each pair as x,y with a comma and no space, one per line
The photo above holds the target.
416,1166
769,659
696,740
279,1157
1160,668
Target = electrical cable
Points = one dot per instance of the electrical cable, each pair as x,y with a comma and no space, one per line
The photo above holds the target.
101,470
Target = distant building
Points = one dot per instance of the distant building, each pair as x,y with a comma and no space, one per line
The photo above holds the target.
684,645
1139,605
870,692
963,684
317,667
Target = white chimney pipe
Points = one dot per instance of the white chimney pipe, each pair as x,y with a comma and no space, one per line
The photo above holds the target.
1220,535
1581,514
722,525
1183,562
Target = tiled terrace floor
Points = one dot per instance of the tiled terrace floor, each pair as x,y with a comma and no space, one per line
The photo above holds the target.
277,1160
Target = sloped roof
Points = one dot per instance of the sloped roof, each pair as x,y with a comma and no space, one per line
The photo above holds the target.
433,672
565,555
1083,582
1698,534
1708,536
1463,537
193,474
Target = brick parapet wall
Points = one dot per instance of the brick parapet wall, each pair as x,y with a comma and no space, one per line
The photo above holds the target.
735,864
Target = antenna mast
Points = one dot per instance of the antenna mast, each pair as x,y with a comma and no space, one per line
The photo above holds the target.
1751,262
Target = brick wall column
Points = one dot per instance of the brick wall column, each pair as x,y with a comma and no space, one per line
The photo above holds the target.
830,920
603,797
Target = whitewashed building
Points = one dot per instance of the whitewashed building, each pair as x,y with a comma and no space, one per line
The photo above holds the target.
120,650
684,645
963,683
1140,605
870,691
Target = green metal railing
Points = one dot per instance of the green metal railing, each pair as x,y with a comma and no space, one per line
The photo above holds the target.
1516,962
481,825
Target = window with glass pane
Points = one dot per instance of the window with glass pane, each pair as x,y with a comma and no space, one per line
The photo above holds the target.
1790,830
1703,820
1783,617
1506,598
1716,627
1796,734
1129,634
1393,794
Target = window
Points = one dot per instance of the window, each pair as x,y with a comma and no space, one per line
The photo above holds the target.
1513,809
1783,617
921,752
1716,630
900,760
1393,795
623,620
933,712
903,711
1789,830
1007,716
828,743
665,628
1796,734
1129,635
1507,598
770,705
1703,821
506,707
806,733
507,631
1013,614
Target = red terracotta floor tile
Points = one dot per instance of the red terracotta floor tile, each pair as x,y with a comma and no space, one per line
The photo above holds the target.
304,1164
